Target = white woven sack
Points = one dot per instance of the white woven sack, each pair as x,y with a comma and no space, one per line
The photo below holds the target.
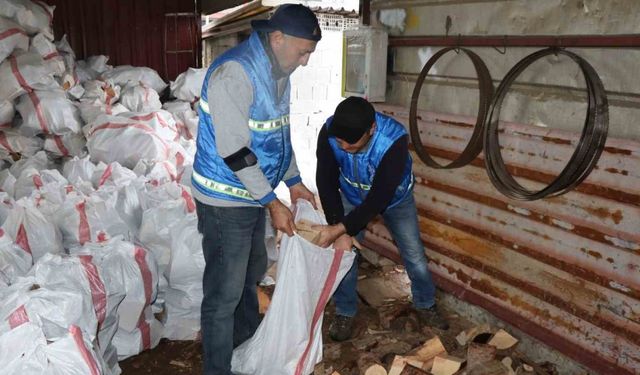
22,73
34,16
48,112
45,48
32,231
140,98
188,85
67,145
121,75
12,37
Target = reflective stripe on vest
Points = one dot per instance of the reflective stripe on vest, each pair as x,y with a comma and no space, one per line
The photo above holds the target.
254,124
221,188
355,184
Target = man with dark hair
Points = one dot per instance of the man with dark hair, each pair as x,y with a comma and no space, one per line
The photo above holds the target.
364,169
243,152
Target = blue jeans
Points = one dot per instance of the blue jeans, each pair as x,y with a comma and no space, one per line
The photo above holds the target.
236,259
402,222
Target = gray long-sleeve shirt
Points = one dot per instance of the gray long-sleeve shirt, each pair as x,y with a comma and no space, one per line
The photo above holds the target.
230,94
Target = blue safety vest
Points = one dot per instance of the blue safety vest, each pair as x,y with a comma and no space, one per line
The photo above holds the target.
358,170
268,123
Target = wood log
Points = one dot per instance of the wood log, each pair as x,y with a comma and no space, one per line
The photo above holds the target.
468,335
305,230
493,367
411,370
427,352
390,313
368,364
478,354
446,365
400,362
263,301
502,340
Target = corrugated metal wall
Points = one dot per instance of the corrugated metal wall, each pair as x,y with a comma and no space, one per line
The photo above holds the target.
132,32
565,270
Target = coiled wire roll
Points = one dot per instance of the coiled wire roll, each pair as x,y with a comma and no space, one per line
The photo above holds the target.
474,146
587,152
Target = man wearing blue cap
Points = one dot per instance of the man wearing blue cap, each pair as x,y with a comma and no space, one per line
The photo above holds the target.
243,152
364,169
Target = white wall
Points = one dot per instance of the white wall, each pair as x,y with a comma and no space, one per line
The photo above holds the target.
315,93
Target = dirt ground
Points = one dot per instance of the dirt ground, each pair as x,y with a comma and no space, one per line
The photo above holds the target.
400,337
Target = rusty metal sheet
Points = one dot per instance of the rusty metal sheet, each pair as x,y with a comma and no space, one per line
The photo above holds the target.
566,269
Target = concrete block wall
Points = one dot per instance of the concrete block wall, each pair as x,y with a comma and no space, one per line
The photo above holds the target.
315,92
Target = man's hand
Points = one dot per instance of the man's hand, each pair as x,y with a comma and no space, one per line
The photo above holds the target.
299,191
344,243
329,233
281,217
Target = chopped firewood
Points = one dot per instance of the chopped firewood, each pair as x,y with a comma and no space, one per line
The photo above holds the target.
527,368
400,362
378,291
502,340
493,367
411,370
468,335
478,354
428,351
446,365
368,364
263,301
335,373
390,313
305,230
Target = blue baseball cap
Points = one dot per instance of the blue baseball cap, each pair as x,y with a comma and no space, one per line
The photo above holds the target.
292,19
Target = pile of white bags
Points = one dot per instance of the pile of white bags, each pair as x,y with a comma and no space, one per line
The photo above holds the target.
289,338
92,169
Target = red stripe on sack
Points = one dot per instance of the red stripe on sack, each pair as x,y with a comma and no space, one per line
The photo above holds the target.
38,108
146,93
1,232
10,32
46,10
145,128
86,355
167,167
18,317
37,181
58,140
322,302
6,125
102,236
146,117
16,73
145,272
191,206
51,55
5,143
84,232
145,332
179,165
98,291
105,175
22,240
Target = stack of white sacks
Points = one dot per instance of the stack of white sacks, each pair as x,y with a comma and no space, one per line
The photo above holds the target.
100,256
